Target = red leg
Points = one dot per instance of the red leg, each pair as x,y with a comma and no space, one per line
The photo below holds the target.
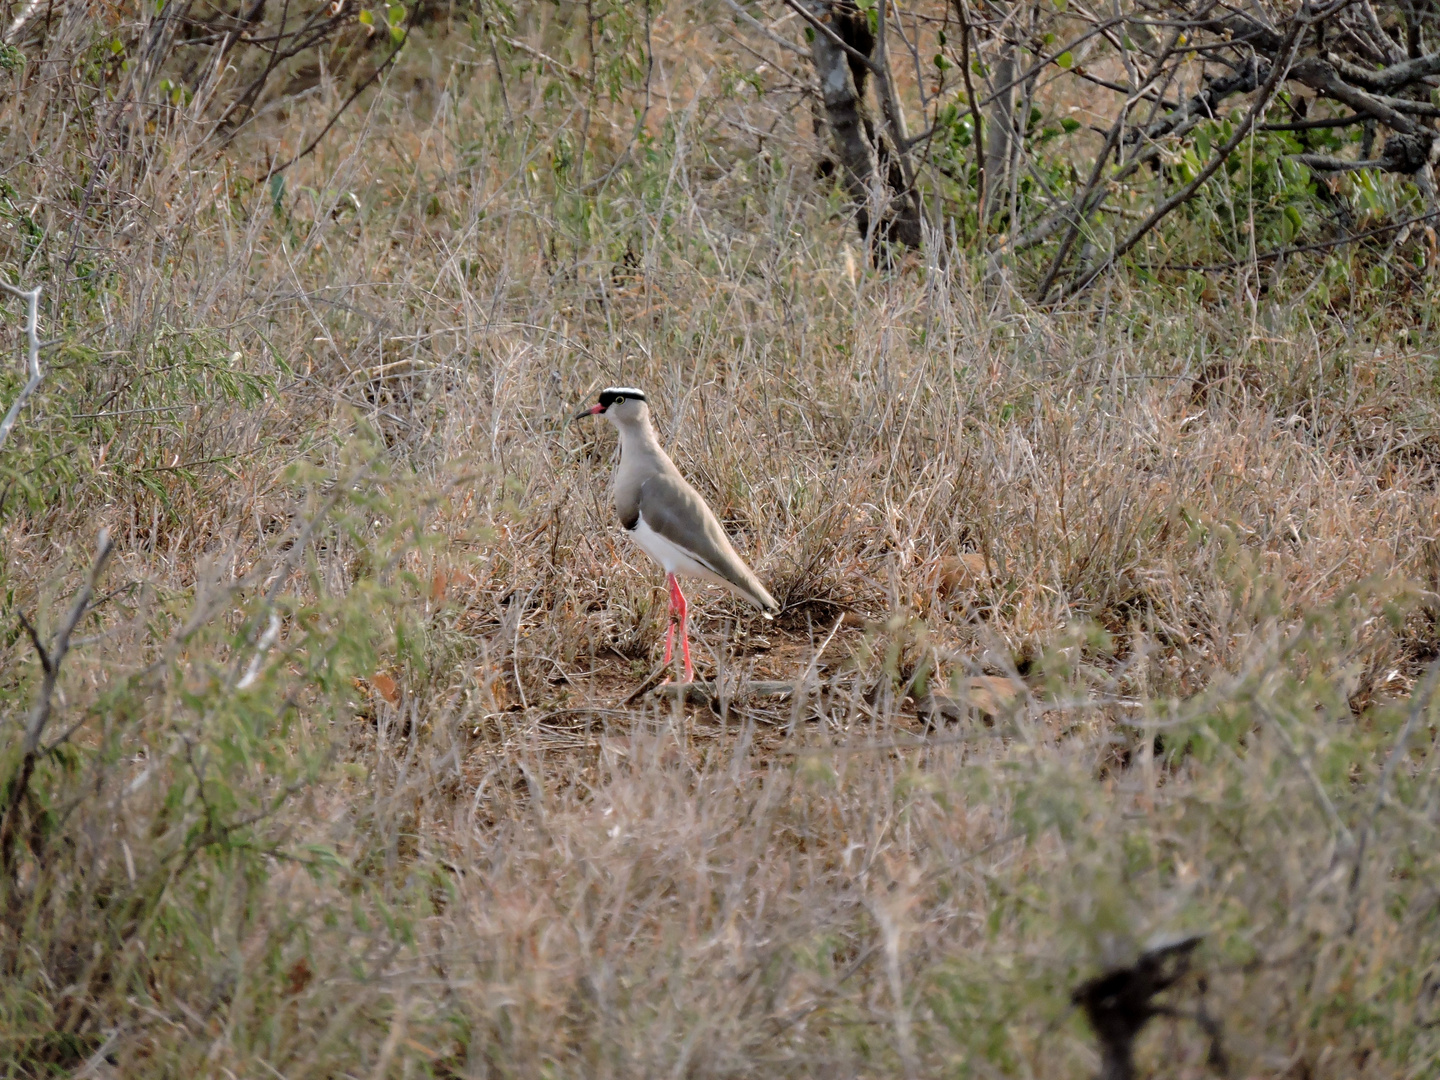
673,588
684,633
669,643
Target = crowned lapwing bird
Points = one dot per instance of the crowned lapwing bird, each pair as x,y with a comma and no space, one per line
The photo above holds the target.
668,518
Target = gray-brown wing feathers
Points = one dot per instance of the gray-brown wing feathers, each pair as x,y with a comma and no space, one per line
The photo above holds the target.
676,511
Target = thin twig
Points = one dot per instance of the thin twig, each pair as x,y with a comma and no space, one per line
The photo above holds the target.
962,12
374,75
262,648
1419,704
32,358
50,661
1297,249
1337,825
1111,140
1314,125
801,693
1278,70
756,25
1077,220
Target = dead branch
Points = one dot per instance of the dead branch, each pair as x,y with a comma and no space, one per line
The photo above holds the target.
32,356
1330,163
1277,70
1419,706
1174,66
962,12
1121,1002
50,660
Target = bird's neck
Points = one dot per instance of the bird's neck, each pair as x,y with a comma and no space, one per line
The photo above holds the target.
639,436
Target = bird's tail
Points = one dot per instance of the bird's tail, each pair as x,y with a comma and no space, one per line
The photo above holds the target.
758,595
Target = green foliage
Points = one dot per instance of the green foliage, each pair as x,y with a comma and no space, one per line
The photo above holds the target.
1261,196
223,735
150,423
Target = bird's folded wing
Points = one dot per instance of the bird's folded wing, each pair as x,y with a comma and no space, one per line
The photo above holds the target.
676,511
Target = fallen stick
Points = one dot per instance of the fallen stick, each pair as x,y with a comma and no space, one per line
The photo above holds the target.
703,693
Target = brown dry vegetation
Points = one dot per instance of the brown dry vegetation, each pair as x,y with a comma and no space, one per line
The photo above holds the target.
341,778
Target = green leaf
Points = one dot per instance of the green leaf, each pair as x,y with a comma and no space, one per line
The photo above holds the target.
366,19
1065,59
1297,222
396,13
1070,125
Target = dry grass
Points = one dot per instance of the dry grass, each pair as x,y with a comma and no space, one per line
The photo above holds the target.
428,838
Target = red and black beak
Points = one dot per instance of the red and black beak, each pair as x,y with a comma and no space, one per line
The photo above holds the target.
594,410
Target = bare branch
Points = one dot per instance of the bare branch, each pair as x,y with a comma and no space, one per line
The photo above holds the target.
1419,704
1201,106
1328,163
1097,173
891,109
262,647
1277,71
24,16
962,12
1324,76
1390,78
365,85
1076,220
1298,249
763,30
32,359
50,661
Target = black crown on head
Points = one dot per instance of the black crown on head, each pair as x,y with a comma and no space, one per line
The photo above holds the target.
612,394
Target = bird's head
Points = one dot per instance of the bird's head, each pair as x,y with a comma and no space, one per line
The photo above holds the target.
619,405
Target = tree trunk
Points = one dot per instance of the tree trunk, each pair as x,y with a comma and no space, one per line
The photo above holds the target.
1000,136
884,210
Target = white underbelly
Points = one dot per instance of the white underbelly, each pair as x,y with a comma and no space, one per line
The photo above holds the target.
671,556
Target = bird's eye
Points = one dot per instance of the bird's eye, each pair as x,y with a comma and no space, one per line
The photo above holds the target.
620,400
